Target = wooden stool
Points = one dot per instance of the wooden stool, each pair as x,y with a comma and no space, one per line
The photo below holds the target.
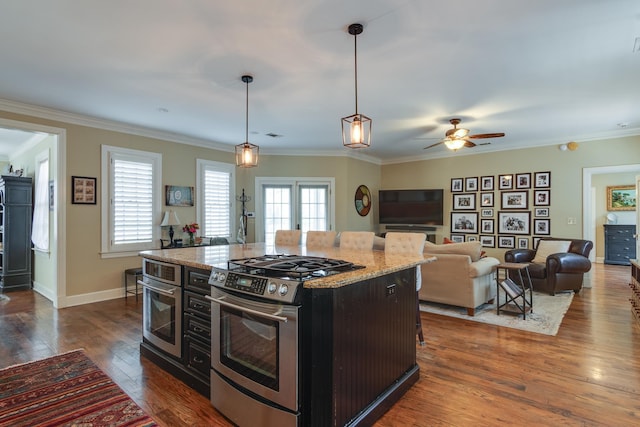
137,274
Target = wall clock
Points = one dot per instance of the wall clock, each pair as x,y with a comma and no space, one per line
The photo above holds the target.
363,200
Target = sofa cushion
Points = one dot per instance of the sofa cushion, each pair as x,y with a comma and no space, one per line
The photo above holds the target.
537,270
549,247
472,249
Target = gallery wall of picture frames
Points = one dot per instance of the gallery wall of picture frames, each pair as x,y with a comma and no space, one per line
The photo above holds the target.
508,211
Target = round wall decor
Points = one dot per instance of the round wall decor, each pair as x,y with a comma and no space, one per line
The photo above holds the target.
363,200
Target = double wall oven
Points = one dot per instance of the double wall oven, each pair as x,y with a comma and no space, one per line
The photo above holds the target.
256,327
162,302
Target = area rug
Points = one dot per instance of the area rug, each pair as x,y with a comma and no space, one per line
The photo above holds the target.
65,390
547,315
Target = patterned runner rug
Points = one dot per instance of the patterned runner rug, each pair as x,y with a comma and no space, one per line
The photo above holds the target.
65,390
547,315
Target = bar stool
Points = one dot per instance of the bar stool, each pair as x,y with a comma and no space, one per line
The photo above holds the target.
136,273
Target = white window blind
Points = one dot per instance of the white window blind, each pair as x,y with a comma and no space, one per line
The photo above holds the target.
40,227
132,202
217,205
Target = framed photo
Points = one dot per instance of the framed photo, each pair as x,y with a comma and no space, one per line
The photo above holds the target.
486,183
507,242
514,200
505,182
464,222
178,196
523,180
541,197
486,212
471,238
486,226
486,199
621,198
542,180
542,226
535,242
456,185
541,212
488,241
83,190
514,222
458,238
523,243
464,201
471,184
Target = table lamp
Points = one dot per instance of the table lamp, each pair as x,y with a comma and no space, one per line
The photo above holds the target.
170,218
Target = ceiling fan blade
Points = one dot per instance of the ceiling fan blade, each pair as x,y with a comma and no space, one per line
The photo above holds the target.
487,135
433,145
469,144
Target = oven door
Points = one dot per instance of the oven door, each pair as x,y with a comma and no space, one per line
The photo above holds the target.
255,345
161,318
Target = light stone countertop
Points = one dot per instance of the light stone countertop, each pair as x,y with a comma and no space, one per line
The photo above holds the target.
377,263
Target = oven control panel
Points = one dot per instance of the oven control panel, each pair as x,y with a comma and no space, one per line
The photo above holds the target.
266,287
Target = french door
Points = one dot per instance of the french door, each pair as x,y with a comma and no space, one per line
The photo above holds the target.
289,203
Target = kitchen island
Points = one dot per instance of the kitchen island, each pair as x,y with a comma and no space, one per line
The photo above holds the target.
356,339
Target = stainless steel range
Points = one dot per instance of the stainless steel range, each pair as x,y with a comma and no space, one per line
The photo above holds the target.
255,357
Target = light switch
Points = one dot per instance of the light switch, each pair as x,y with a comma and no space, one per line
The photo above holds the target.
571,220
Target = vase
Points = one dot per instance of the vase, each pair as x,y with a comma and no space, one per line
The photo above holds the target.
191,241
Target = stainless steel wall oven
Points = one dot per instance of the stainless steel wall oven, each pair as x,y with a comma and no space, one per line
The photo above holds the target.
162,306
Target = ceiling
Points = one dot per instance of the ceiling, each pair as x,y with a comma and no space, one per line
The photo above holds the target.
543,72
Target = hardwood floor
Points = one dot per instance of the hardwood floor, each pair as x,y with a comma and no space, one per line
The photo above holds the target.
471,373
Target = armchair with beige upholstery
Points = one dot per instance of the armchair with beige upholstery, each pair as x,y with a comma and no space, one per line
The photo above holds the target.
459,277
320,239
556,264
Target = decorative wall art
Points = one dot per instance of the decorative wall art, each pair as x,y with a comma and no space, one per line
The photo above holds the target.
486,226
486,199
464,222
464,201
457,238
542,179
456,185
523,180
514,222
523,243
471,184
514,200
486,183
542,226
505,182
542,197
621,198
178,196
83,190
486,212
541,212
488,241
471,238
507,242
363,200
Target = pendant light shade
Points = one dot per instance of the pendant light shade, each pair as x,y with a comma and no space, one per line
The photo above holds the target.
356,129
247,153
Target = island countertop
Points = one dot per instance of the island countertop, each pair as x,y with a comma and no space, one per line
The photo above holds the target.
376,263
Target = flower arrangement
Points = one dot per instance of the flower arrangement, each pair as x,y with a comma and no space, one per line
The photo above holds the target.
191,229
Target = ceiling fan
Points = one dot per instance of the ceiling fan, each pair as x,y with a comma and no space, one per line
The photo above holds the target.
457,138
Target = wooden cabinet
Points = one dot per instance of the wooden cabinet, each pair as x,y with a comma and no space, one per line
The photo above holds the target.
15,232
635,289
619,244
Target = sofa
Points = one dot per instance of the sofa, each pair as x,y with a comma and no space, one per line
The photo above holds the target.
557,269
461,276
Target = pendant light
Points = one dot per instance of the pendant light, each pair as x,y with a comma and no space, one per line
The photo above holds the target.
247,153
356,129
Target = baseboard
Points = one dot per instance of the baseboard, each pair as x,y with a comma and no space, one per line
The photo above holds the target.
44,291
89,298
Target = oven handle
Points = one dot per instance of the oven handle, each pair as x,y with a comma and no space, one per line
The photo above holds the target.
153,288
247,310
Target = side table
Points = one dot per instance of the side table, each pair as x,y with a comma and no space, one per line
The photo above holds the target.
136,273
515,295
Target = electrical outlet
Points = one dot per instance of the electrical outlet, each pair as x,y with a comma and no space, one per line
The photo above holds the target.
251,214
391,289
571,221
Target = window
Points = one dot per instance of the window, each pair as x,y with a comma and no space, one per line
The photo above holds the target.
216,198
40,228
131,199
289,203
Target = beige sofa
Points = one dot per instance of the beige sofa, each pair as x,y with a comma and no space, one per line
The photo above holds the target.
459,277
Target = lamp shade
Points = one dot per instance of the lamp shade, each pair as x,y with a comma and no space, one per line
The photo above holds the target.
247,155
454,144
170,218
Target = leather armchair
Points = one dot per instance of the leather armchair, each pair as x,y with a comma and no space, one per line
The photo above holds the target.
560,272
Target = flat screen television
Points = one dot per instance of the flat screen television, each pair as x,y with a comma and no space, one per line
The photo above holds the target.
411,207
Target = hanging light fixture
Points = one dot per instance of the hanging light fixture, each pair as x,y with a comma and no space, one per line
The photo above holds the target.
247,153
454,144
356,129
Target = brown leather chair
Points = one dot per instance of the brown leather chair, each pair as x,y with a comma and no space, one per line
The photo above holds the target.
561,271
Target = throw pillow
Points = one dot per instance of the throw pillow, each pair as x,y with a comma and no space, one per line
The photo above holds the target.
472,249
548,247
446,241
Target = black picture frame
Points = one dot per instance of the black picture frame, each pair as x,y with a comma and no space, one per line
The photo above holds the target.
514,200
507,242
486,213
486,200
456,185
471,238
83,190
488,241
542,179
464,201
523,242
523,180
471,184
464,222
486,183
541,212
457,238
487,226
514,222
542,227
505,181
541,197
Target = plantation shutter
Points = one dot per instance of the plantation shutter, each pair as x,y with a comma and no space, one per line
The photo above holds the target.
217,203
132,201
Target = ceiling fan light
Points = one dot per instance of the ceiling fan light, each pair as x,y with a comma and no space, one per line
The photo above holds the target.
356,131
454,144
